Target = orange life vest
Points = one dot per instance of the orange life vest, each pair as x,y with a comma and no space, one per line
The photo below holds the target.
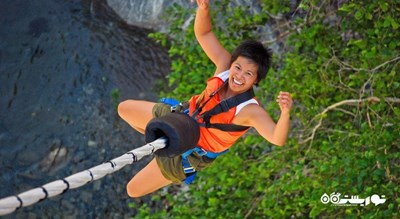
212,139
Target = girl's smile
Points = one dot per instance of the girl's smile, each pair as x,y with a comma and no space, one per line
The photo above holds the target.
243,74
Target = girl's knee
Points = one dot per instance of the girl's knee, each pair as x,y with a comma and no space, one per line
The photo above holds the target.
146,181
133,190
125,107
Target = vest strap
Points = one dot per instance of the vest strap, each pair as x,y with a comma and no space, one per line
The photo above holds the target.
225,127
188,169
225,106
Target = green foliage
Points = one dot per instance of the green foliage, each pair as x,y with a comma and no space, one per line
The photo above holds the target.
341,62
115,96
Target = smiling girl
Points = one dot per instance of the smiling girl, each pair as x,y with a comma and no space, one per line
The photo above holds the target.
235,75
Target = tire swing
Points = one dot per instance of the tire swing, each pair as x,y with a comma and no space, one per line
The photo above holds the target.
181,131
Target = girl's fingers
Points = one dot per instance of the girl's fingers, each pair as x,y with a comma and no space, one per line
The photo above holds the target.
202,4
284,100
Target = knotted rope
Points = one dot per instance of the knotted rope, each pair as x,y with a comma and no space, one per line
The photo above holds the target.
30,197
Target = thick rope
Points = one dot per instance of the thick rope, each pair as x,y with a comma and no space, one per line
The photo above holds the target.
12,203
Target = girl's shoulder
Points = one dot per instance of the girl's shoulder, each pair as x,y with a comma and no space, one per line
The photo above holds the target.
242,105
223,75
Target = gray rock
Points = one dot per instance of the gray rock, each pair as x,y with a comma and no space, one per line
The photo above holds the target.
147,14
59,66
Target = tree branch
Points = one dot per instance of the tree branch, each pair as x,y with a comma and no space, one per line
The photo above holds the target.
351,102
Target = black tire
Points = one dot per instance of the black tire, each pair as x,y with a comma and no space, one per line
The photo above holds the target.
181,130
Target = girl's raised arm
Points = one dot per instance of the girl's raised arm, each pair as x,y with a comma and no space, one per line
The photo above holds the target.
207,39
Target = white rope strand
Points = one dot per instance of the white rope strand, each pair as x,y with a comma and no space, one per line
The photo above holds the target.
12,203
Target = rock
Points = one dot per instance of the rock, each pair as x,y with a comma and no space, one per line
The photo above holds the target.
54,159
149,14
92,143
146,14
57,81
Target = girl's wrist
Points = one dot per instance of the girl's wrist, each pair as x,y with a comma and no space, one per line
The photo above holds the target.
285,113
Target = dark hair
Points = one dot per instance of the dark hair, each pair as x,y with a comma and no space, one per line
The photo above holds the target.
255,51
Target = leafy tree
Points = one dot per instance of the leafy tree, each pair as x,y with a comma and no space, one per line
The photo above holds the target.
340,59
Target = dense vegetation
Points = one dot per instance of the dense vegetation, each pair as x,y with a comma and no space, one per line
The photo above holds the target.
340,59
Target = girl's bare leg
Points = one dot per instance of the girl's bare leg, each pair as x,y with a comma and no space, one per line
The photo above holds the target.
148,180
137,113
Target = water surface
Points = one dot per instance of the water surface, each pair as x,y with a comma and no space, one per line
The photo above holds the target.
64,65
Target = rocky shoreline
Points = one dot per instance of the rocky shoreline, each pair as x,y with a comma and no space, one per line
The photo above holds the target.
64,68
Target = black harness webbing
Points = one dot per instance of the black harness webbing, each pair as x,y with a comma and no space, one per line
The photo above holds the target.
224,106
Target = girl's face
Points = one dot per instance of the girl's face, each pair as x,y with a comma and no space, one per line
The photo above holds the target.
243,74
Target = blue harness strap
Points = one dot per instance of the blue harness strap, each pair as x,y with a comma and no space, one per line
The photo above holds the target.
188,169
175,105
169,101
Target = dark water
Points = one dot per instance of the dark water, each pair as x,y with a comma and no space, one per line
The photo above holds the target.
64,65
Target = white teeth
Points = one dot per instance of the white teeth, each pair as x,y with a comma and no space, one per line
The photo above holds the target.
237,82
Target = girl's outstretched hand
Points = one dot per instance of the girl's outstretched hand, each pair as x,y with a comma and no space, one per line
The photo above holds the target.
285,101
202,4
